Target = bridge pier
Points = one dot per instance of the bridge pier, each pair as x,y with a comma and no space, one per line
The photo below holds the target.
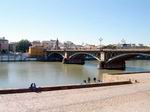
101,65
65,59
77,61
112,66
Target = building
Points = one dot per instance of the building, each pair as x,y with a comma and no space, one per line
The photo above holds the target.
36,43
4,45
47,44
141,45
36,51
90,47
12,46
51,45
69,45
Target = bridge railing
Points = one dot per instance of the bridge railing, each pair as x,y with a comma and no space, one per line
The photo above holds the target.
145,50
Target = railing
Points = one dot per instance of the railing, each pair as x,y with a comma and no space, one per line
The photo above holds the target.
102,50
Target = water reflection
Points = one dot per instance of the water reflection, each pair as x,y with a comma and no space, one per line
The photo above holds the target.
4,78
137,65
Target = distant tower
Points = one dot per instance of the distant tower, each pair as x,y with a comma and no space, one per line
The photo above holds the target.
57,45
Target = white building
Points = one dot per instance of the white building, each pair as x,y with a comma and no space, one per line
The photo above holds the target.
90,47
69,45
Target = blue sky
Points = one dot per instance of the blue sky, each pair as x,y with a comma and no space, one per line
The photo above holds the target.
80,21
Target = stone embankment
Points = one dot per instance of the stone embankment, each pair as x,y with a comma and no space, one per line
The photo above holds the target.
65,87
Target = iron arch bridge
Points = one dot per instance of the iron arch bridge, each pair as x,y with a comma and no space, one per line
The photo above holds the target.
80,57
107,58
119,60
71,57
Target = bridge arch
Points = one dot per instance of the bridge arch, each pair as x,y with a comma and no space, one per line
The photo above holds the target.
55,56
83,53
118,62
126,56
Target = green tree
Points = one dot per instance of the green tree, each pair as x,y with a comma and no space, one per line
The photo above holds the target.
23,45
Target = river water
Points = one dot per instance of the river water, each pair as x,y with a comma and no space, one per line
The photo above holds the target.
22,74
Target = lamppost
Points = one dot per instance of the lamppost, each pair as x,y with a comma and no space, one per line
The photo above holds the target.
100,40
100,53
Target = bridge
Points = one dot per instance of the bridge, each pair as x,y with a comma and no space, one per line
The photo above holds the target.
107,58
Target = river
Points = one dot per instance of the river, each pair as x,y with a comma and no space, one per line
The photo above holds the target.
22,74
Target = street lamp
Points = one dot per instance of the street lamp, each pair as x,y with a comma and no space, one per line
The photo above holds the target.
100,40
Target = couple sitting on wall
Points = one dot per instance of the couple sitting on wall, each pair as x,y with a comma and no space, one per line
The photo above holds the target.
33,87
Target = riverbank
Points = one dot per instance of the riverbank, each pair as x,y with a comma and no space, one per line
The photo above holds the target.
124,98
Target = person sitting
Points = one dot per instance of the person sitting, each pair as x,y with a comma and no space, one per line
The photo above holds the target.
136,81
89,79
33,87
94,79
99,80
84,81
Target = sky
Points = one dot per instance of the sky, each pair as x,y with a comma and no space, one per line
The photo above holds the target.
79,21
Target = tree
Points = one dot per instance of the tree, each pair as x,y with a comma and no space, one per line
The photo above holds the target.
23,45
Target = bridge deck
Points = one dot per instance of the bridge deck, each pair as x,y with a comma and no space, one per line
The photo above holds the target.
104,50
